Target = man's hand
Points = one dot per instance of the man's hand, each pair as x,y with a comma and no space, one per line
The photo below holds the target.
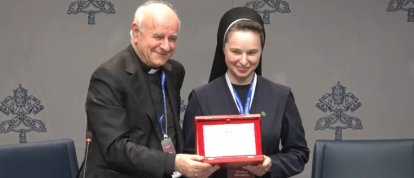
191,166
260,169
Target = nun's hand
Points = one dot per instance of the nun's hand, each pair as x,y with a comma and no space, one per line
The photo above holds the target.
260,169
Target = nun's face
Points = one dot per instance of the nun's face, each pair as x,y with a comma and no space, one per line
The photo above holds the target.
242,53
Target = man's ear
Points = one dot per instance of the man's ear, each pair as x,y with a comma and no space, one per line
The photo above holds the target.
134,31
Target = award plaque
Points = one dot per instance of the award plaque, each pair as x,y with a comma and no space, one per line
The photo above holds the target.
229,140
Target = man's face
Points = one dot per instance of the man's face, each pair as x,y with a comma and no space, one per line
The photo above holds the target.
156,42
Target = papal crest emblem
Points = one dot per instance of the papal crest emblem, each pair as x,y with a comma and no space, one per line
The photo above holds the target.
338,103
20,105
91,7
402,5
266,7
182,106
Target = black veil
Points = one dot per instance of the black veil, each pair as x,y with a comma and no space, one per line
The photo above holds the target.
219,67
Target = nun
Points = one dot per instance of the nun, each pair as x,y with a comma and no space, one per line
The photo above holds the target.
237,87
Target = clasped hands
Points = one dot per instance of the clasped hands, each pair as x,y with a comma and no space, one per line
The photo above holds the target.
191,166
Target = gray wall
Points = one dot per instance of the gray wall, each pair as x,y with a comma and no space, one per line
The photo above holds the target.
320,42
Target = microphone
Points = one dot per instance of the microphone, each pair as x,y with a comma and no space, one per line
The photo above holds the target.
88,141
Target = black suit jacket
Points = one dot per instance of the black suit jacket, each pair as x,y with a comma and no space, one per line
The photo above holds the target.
120,115
281,125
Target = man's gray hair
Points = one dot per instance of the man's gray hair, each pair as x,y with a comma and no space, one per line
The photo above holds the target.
139,13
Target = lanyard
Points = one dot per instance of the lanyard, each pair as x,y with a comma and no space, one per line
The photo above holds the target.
164,99
250,95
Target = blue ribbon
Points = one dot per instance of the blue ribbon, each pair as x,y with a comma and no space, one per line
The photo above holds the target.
249,98
164,99
247,105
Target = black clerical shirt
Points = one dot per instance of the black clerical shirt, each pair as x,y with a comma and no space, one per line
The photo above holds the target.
153,77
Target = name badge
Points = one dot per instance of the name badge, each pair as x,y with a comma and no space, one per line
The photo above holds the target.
168,145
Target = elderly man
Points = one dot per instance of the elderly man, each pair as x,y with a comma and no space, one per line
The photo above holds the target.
133,105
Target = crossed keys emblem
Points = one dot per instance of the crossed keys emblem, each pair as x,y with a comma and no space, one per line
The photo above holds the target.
338,102
21,105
